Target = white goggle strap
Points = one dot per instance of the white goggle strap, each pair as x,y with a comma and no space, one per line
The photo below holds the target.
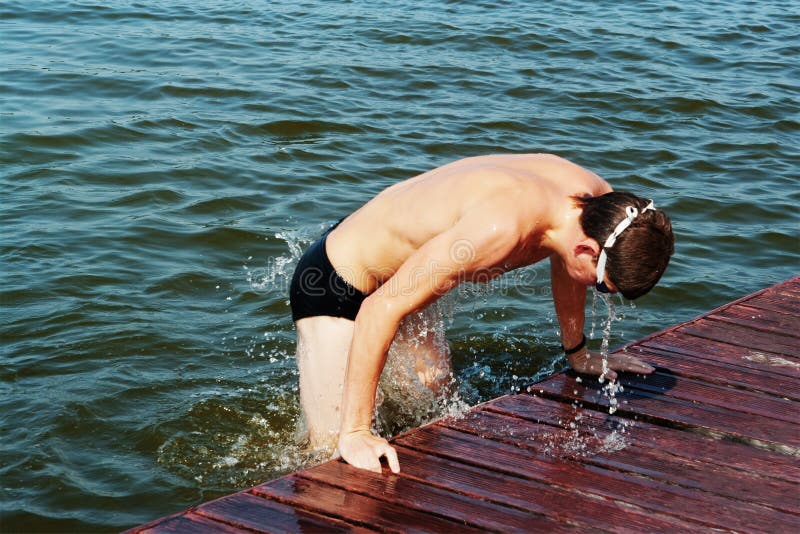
630,214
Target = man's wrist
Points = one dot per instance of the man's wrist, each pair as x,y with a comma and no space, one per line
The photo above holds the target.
577,348
354,430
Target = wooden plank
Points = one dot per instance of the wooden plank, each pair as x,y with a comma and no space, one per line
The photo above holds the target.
671,411
430,499
707,350
354,508
639,492
759,319
758,464
744,337
668,384
533,496
718,372
741,300
186,523
247,511
781,299
619,451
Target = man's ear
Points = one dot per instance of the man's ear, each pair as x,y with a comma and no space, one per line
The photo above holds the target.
587,246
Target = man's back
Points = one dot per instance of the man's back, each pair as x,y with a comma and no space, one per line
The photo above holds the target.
524,191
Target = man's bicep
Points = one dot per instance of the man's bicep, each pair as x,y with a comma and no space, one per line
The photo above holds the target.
425,276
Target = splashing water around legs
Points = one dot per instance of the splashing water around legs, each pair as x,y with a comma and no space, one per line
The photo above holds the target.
417,384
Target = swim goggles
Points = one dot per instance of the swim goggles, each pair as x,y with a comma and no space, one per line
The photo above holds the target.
630,215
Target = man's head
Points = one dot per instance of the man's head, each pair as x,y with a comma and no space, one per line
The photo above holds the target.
638,255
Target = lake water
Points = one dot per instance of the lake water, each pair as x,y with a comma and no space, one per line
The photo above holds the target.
163,164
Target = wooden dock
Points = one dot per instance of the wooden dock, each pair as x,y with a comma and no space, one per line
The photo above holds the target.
711,440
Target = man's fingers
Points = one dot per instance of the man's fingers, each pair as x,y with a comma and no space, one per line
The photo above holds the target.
370,463
391,457
626,362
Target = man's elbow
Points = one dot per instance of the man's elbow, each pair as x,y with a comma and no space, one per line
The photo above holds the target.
380,308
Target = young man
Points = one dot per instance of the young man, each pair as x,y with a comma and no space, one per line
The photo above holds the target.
466,221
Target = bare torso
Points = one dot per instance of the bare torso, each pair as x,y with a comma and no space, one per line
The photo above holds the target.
525,195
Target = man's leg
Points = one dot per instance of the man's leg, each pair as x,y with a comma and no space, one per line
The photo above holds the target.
417,379
422,339
323,344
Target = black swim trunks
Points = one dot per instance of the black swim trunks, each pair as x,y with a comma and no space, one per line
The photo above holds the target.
317,289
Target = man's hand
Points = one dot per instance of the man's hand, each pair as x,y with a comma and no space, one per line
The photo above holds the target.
591,363
362,449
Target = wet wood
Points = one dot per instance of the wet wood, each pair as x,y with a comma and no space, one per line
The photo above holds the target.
719,372
429,498
530,495
355,508
744,337
761,320
188,522
749,462
619,450
262,515
640,492
711,440
655,406
712,352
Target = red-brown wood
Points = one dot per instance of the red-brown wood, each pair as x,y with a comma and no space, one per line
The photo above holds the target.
355,508
690,446
620,452
713,352
744,337
759,319
431,499
531,496
671,411
640,492
709,441
248,511
188,522
719,372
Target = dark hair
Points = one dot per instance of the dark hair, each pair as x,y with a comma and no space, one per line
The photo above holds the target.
641,252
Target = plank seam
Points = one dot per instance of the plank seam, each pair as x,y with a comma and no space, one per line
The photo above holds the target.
679,425
713,380
715,310
379,497
740,363
555,516
222,520
572,489
261,494
608,464
735,342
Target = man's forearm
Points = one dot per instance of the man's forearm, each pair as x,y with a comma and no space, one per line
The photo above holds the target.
372,335
569,299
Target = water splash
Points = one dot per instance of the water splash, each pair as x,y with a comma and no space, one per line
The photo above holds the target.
613,387
275,277
417,384
585,439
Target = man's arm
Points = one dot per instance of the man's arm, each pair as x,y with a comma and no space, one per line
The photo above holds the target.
569,298
430,272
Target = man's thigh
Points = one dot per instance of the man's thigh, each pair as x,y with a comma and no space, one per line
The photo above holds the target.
420,342
323,344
